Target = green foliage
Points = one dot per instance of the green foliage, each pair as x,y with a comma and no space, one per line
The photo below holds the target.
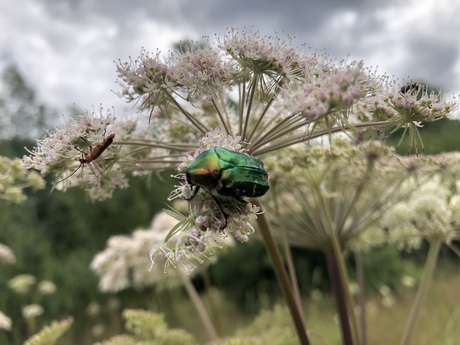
238,341
124,340
439,136
176,337
272,327
386,266
147,328
256,277
143,324
50,334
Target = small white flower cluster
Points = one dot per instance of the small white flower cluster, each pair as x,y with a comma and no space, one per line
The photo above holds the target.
433,211
202,72
14,177
330,88
31,311
189,243
269,55
22,283
46,287
216,137
147,74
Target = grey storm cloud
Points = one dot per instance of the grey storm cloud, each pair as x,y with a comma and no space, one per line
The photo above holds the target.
79,39
435,60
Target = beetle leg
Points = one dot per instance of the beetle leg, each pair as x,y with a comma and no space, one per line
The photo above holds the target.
240,199
194,192
224,215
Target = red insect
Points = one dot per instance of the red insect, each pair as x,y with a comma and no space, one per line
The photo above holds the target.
97,151
93,154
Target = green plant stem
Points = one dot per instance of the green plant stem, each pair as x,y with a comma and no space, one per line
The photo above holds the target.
211,303
361,296
198,303
430,265
288,253
338,290
282,277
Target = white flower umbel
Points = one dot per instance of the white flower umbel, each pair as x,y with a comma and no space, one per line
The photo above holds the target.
250,93
339,191
433,210
431,214
82,154
260,90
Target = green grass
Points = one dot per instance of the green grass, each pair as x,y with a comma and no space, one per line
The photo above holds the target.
439,323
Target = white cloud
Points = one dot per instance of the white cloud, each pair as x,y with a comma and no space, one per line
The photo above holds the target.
71,61
66,49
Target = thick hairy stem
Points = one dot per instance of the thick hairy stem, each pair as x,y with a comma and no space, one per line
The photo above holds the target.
288,253
282,278
338,290
342,272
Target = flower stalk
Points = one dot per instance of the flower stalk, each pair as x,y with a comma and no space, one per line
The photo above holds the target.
199,306
361,296
345,301
430,265
288,254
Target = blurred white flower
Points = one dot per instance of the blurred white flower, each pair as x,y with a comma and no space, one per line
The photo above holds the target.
32,311
433,211
408,281
46,287
93,309
5,322
126,261
6,254
22,283
385,290
98,330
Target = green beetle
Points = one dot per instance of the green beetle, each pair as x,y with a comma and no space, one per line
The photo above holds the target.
227,173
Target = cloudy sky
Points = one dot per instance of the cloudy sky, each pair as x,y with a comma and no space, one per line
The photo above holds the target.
65,49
